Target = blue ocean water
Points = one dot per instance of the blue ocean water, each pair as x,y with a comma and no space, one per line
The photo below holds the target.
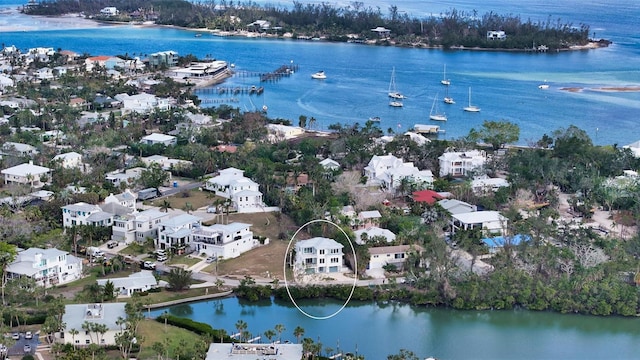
503,85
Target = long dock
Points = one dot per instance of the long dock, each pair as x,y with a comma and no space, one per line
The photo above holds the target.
273,76
251,90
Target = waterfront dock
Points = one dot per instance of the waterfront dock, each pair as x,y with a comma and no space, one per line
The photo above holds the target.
273,76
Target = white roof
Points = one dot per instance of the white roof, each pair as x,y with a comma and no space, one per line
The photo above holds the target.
374,231
69,155
479,217
180,220
106,313
329,162
137,280
373,214
26,169
319,243
18,146
158,137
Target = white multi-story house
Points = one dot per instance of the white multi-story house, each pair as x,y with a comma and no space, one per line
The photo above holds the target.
137,226
224,241
243,192
485,184
27,174
142,103
127,199
389,255
461,163
127,177
48,267
166,163
134,283
389,171
174,233
69,160
318,255
85,214
76,315
157,138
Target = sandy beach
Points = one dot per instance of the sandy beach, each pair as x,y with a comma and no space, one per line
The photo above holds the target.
12,20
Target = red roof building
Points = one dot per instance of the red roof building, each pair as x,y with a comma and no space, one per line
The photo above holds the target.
427,196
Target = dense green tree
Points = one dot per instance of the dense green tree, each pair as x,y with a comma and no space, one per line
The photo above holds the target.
496,133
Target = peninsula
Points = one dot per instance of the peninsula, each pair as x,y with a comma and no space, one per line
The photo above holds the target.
354,23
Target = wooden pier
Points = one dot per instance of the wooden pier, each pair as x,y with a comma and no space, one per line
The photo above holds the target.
220,101
276,75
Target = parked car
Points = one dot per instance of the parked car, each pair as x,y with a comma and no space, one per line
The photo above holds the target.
212,210
111,244
211,259
28,335
26,348
149,265
161,258
15,336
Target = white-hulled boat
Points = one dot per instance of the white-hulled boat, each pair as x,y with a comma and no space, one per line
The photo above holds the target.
435,115
393,92
320,75
396,103
471,108
444,80
448,99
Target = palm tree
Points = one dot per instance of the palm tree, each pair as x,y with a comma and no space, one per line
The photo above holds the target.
298,332
73,333
280,329
165,206
269,334
241,326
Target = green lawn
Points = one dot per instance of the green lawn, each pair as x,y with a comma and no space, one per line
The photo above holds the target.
153,331
197,199
183,259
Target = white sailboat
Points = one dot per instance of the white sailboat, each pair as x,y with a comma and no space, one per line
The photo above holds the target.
448,99
434,114
444,80
471,108
393,92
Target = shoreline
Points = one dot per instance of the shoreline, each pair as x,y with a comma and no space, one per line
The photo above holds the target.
188,300
75,21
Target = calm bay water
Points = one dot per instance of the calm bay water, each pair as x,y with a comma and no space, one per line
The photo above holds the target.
504,85
379,330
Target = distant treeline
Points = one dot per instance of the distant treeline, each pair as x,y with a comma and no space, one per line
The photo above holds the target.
448,29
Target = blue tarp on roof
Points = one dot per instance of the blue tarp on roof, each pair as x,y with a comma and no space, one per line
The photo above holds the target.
499,241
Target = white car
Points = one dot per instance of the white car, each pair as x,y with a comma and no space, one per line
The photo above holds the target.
211,259
28,335
149,265
162,258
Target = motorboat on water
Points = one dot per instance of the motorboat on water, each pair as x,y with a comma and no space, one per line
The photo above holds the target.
320,75
543,86
396,103
374,119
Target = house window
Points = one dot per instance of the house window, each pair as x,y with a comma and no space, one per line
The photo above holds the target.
399,256
308,250
308,261
87,341
77,341
335,251
321,261
334,260
322,252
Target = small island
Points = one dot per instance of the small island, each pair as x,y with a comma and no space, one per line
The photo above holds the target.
354,23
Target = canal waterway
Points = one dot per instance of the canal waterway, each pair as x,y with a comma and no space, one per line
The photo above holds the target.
378,330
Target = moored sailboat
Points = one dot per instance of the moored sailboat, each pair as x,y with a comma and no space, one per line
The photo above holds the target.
471,108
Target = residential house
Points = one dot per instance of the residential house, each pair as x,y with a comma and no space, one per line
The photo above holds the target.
329,164
496,35
44,73
380,256
428,197
69,160
134,283
127,199
245,351
137,226
174,233
318,255
78,103
382,32
279,132
491,223
168,58
48,267
106,62
109,11
453,206
128,177
156,138
166,163
142,103
27,174
85,214
259,25
366,235
223,240
634,147
461,163
76,315
484,184
497,243
417,138
389,172
243,192
6,82
367,219
19,149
